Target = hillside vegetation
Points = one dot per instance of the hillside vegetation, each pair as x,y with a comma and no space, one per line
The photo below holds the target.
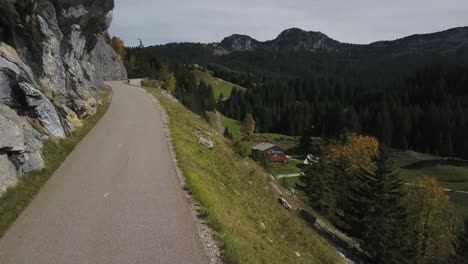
220,86
236,197
451,173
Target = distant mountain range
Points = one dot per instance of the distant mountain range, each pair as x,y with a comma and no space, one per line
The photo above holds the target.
296,39
299,53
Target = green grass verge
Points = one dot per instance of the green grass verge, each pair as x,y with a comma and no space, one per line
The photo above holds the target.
234,198
17,198
452,173
297,184
219,86
290,168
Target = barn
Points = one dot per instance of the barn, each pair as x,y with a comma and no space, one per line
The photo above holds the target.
266,147
272,152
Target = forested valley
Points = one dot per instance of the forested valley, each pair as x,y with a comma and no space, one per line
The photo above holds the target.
361,103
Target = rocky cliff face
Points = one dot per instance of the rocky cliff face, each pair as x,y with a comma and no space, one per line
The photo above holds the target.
53,61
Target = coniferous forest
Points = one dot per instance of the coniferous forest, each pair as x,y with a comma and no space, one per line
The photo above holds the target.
423,111
416,101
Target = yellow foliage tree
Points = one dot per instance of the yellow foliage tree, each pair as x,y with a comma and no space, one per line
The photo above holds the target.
356,153
248,127
167,77
434,221
119,46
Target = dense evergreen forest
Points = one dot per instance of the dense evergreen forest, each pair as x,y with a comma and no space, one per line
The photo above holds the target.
425,111
409,101
177,78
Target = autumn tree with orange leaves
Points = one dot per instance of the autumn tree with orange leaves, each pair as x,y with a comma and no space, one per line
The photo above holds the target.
328,180
248,126
435,224
118,45
355,153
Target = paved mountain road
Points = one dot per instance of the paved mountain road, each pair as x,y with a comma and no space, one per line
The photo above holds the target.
116,199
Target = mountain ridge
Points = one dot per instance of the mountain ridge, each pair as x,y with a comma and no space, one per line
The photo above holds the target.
298,39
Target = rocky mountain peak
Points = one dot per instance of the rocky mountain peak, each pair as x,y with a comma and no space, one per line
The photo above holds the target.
298,39
239,42
290,39
293,32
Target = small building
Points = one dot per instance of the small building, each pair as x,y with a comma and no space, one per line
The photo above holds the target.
266,147
272,152
311,159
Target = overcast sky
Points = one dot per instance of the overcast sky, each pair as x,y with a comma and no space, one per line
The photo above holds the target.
352,21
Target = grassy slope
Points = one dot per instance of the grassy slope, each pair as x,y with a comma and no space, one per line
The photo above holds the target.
17,198
219,86
234,127
232,193
290,168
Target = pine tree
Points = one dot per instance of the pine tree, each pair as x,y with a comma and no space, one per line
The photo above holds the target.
373,212
321,184
387,231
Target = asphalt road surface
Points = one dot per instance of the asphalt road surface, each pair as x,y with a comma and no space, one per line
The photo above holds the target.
116,199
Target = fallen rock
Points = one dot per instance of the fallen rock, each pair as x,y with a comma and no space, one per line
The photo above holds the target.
284,203
30,162
207,143
262,226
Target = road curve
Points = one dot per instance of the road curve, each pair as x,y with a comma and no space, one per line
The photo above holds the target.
116,199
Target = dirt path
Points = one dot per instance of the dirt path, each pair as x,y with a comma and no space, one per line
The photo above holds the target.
219,123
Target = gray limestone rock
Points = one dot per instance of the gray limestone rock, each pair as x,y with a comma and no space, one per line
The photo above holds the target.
30,162
7,174
5,89
33,95
53,62
100,57
49,118
12,137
